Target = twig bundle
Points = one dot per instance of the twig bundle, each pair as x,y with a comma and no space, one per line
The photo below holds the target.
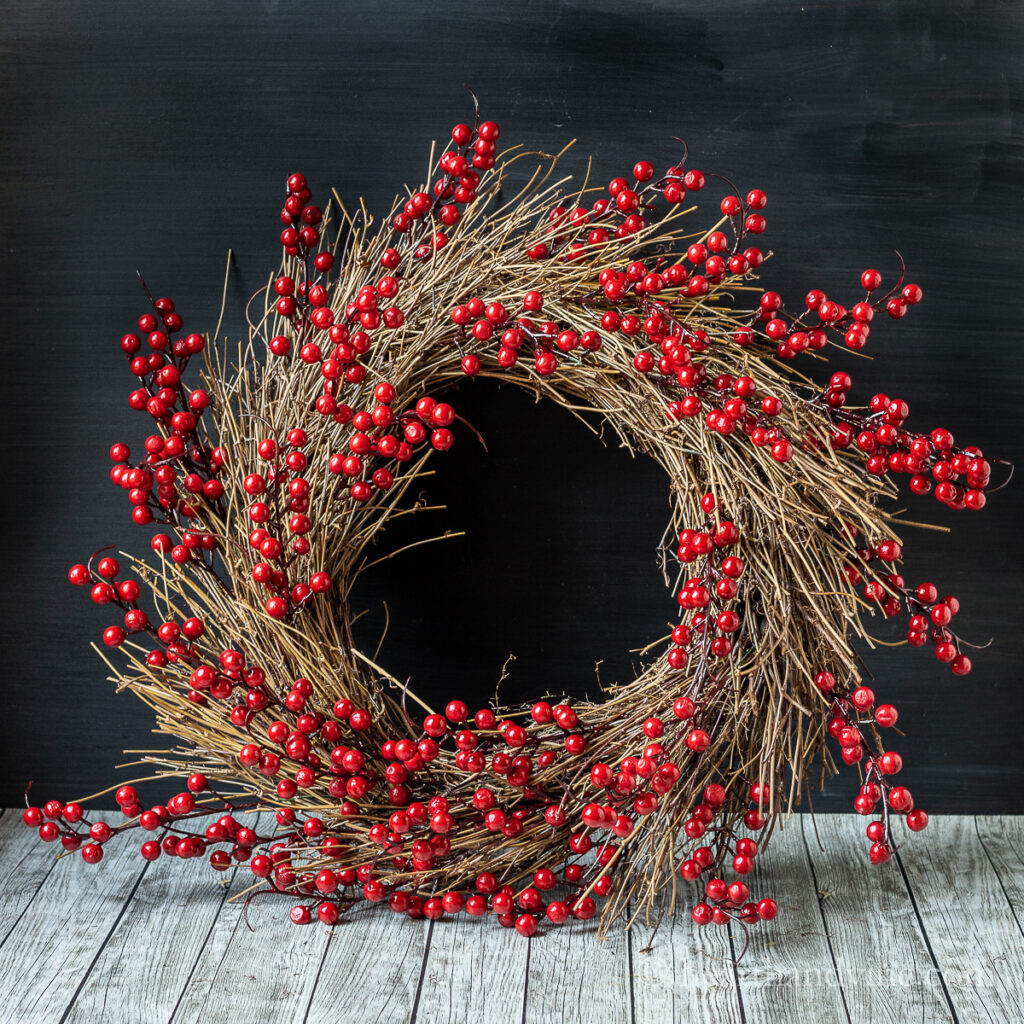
278,477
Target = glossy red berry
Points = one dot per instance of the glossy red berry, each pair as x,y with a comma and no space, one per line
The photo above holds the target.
92,853
880,852
917,820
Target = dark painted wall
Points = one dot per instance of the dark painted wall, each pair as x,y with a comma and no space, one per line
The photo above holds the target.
158,136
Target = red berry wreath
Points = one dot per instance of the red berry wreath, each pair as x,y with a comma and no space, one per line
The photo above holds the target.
271,481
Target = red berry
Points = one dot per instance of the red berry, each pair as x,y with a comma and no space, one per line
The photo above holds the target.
917,820
879,853
92,853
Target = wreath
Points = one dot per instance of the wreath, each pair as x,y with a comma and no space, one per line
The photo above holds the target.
272,481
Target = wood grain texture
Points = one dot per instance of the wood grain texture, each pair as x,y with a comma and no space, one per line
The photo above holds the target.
53,946
574,974
786,972
1003,841
684,973
26,863
880,953
475,971
383,954
129,943
263,969
150,957
970,925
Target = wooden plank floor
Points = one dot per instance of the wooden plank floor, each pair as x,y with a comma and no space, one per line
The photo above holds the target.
936,935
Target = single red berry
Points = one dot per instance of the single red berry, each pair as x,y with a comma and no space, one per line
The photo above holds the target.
92,853
917,820
879,853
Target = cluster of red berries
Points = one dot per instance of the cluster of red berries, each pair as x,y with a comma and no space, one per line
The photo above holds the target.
428,421
578,233
306,308
282,503
631,307
960,475
792,335
461,167
105,588
929,616
574,234
68,823
177,456
929,620
482,321
713,623
725,901
846,726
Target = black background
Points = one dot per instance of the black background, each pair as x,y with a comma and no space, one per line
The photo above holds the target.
158,136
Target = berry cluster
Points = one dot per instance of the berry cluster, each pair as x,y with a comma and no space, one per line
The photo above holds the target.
848,729
725,901
889,448
179,451
929,616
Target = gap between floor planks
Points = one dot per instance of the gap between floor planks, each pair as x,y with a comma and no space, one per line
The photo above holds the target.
936,935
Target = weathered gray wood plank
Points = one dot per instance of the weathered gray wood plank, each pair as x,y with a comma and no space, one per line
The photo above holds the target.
573,975
969,923
174,952
266,972
1002,839
684,973
786,972
884,967
389,950
53,945
475,971
25,861
149,958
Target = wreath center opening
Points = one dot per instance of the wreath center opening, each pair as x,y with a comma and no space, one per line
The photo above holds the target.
551,572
